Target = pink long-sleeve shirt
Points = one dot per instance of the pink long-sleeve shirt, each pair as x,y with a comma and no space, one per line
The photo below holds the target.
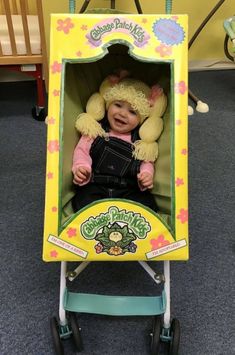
82,158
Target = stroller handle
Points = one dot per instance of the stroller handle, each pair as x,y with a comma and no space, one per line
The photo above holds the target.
72,6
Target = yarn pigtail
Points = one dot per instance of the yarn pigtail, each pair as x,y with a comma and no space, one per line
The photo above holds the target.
87,122
147,148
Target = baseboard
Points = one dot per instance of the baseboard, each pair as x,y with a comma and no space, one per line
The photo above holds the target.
9,76
212,64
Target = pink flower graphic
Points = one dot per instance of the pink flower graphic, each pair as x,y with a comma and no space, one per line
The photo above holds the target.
183,215
184,151
51,120
56,92
181,87
54,209
175,18
54,254
179,181
99,248
84,27
50,175
65,25
71,232
159,242
56,67
53,146
79,54
178,122
164,50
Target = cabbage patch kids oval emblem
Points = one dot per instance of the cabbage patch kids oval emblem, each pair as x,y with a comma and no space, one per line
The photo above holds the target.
168,31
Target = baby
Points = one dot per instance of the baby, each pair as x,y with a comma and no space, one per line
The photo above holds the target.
114,158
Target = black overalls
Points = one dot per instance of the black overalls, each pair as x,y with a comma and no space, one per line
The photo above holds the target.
114,174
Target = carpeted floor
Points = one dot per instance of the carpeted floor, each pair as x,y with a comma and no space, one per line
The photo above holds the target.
202,289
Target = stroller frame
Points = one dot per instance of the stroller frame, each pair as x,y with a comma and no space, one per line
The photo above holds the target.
149,305
99,304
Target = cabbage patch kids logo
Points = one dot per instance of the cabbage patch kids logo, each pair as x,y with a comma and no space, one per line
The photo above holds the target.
115,231
120,25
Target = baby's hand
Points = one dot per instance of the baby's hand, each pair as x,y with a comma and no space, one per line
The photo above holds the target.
81,175
145,180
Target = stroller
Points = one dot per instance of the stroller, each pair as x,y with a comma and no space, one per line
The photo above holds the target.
152,47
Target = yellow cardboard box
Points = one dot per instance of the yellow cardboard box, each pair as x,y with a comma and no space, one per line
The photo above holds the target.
116,230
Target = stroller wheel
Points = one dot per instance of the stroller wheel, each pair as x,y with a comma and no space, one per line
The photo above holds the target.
155,343
75,332
175,337
55,331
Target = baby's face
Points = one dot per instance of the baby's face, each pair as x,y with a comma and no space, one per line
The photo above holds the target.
122,118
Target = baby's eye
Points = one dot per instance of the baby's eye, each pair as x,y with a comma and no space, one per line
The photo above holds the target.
133,112
118,104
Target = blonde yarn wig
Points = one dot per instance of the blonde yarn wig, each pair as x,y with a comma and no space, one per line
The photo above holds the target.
149,103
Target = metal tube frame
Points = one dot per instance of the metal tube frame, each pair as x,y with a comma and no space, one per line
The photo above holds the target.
167,314
72,276
168,5
86,3
62,314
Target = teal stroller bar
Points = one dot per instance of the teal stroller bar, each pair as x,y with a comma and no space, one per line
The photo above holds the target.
114,305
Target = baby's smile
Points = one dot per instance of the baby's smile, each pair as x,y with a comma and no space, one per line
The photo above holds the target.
119,121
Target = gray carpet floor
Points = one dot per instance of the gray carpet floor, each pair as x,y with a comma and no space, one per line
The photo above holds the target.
202,289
